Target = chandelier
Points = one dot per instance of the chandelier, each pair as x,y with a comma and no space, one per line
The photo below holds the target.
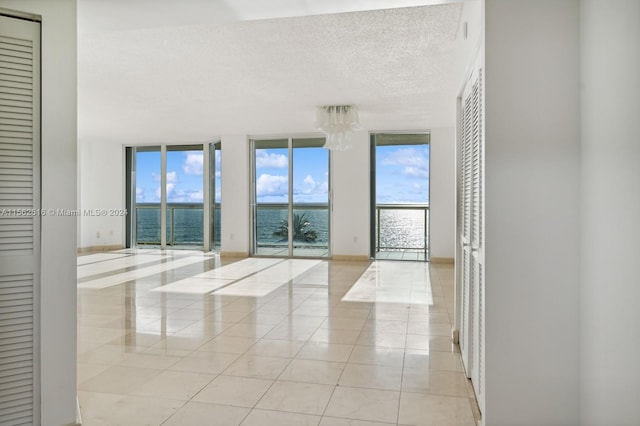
338,122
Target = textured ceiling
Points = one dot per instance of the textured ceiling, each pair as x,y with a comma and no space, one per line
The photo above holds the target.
192,82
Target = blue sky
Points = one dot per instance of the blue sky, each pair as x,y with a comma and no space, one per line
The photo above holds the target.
310,175
184,177
402,175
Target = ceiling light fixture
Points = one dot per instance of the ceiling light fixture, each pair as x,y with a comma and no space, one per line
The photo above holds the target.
338,122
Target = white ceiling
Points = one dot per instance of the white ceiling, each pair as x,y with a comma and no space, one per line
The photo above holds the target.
155,71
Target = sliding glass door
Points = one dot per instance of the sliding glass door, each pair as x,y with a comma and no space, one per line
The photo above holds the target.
400,196
170,185
215,191
291,197
185,196
147,172
310,198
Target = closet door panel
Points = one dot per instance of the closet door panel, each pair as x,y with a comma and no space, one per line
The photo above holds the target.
19,219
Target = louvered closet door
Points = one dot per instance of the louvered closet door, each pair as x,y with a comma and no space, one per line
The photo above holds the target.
466,325
19,219
477,235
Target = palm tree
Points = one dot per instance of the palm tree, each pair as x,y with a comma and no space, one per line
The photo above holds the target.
300,231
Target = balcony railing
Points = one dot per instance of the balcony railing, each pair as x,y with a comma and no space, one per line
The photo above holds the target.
399,227
184,224
272,218
402,227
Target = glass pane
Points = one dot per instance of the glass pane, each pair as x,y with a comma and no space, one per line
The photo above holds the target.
184,197
402,196
271,230
402,174
216,191
310,198
147,197
147,224
187,225
272,197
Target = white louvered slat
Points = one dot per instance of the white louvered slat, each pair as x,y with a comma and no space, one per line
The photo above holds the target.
466,328
466,325
16,131
459,171
475,298
16,347
19,230
471,231
477,243
466,168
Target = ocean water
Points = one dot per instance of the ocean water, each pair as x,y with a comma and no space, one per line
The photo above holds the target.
399,229
186,229
270,220
402,229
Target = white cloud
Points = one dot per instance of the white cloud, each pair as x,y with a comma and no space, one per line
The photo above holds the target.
311,191
416,171
172,178
309,185
414,162
196,196
193,164
140,195
271,185
185,196
264,159
405,157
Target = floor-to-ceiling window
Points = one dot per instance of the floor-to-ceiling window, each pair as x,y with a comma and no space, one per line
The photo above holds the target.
147,211
290,197
168,187
400,196
215,188
185,195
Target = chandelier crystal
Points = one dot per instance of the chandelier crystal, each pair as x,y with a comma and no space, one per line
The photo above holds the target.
337,122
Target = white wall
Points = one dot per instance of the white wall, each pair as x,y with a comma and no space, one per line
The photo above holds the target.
610,328
443,190
532,212
58,264
235,220
101,187
467,47
351,198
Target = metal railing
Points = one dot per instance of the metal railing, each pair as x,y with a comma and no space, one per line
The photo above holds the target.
265,230
424,246
151,235
187,230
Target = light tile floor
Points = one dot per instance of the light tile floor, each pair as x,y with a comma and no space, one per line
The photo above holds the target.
407,254
185,338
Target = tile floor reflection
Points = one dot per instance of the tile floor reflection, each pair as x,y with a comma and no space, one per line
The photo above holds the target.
185,338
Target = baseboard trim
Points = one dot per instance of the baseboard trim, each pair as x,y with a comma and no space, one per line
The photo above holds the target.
445,260
99,248
350,257
234,254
